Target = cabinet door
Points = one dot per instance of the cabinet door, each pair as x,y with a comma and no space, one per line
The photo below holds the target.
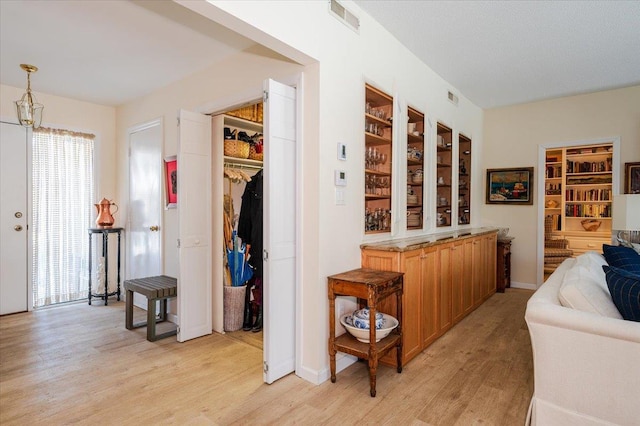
430,295
457,280
445,280
490,242
467,277
411,304
477,260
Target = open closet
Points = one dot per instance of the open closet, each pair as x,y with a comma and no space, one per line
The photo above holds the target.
243,149
202,249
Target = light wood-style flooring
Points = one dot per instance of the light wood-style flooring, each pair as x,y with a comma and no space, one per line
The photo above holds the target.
78,364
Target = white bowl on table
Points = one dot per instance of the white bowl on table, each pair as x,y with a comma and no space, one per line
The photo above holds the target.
362,334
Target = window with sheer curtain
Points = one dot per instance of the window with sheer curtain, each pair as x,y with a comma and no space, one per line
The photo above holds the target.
62,177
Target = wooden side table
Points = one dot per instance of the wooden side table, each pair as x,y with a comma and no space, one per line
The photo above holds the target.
369,286
105,253
503,264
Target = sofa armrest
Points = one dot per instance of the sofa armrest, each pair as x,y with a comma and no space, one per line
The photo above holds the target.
585,365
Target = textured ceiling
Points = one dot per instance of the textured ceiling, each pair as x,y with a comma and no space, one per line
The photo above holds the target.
499,53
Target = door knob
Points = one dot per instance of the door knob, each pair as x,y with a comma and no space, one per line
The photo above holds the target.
154,228
18,228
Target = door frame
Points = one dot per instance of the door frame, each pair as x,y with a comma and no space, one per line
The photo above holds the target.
542,149
251,95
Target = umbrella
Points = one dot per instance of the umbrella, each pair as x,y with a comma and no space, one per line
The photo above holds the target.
241,272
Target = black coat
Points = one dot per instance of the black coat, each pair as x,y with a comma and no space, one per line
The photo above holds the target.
250,221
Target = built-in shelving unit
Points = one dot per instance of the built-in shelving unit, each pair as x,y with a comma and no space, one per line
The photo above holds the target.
444,175
378,136
415,169
464,180
579,194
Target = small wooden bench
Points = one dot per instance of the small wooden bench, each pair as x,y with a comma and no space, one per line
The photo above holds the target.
160,288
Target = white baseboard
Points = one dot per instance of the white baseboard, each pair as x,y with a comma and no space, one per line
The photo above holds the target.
317,377
526,286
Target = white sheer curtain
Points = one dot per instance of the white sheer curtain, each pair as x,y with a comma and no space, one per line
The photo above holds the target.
62,212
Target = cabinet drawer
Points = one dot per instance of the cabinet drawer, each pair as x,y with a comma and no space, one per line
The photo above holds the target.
587,244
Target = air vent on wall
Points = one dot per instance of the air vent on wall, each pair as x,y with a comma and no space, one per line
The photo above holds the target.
344,16
453,98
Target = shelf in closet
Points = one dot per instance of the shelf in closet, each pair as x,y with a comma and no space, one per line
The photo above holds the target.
243,161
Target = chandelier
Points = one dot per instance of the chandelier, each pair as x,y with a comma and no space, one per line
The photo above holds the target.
29,110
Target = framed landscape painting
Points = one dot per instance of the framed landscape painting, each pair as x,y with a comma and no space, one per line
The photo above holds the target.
510,186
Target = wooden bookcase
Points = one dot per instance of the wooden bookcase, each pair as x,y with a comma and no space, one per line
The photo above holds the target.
578,188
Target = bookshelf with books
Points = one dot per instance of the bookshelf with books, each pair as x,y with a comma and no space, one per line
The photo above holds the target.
553,187
578,194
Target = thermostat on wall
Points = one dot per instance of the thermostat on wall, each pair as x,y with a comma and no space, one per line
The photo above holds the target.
341,178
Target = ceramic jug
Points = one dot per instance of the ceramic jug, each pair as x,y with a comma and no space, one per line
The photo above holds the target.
105,216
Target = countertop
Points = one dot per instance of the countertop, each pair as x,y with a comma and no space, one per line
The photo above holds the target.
415,243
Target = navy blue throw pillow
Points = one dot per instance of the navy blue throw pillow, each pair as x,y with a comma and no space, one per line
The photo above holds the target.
624,287
622,257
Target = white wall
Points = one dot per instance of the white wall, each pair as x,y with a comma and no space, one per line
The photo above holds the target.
512,136
346,61
238,76
69,114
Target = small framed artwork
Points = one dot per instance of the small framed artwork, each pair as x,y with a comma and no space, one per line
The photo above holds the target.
632,178
171,182
510,186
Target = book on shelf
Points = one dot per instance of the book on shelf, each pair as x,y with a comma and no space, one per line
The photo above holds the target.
589,166
601,194
588,210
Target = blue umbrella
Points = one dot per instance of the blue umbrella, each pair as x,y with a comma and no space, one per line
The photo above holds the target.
241,272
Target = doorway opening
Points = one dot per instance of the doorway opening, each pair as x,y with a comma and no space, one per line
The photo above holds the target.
243,149
575,208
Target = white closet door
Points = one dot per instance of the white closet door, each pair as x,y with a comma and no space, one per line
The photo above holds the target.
145,203
279,230
194,223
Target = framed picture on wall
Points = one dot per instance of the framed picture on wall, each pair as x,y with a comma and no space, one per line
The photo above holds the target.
632,178
510,186
171,182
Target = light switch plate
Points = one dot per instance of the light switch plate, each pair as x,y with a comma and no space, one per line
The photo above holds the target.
341,178
342,151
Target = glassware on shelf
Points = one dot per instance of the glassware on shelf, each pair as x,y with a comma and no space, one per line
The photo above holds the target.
377,220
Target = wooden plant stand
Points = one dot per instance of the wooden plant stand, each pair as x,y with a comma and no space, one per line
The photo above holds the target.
369,286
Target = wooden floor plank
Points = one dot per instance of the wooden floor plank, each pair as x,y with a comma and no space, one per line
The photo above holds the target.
78,364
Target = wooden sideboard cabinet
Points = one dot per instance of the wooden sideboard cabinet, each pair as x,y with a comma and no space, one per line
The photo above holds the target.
444,281
503,264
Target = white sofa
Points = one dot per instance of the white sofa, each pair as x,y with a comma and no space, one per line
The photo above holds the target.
586,358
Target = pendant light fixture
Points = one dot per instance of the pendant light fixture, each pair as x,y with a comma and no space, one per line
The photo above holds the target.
29,110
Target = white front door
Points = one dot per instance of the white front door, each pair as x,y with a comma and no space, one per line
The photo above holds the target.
13,219
280,230
144,256
194,225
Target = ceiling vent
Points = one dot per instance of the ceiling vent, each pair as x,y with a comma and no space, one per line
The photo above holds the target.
452,98
344,16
